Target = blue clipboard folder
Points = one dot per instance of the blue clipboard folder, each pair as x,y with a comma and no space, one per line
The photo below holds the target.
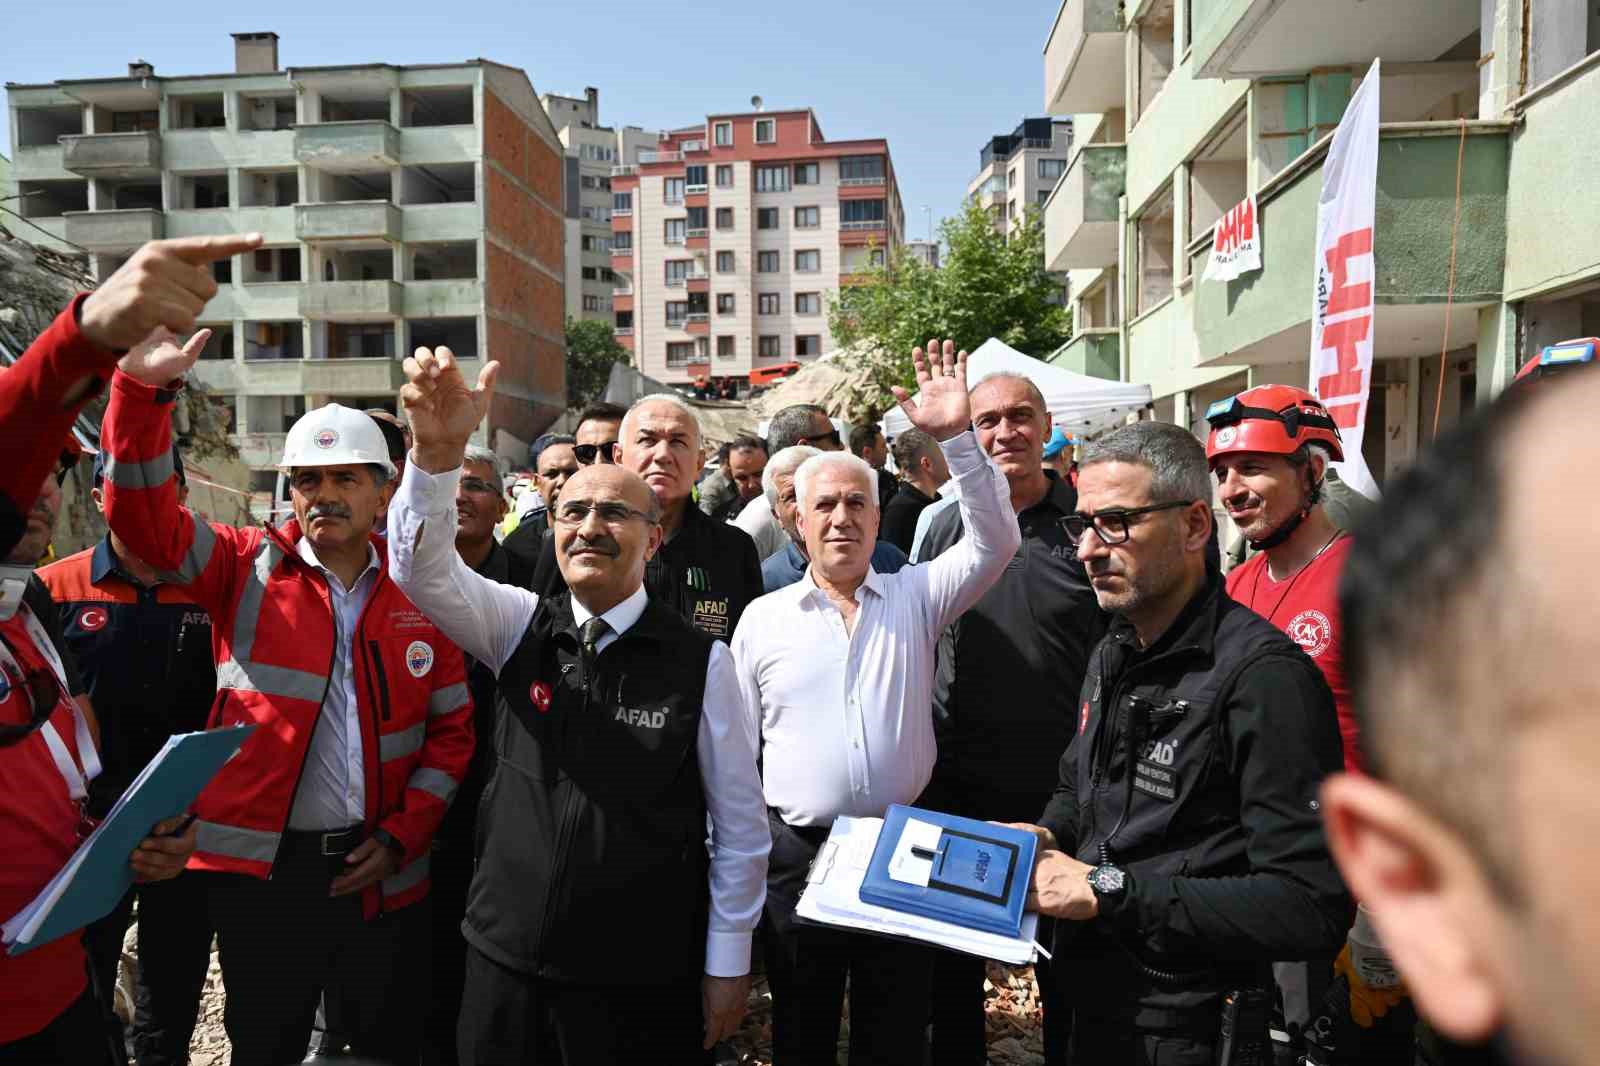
97,876
952,869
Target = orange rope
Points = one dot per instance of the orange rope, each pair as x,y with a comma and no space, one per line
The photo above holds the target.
1450,289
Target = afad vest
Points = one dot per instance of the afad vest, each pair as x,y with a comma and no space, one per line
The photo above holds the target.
591,841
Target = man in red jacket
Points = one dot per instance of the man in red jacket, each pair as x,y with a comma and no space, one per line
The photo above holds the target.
316,837
47,1016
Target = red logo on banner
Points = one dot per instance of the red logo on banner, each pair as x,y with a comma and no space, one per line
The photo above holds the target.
92,618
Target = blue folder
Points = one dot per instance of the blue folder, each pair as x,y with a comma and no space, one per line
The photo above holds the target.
97,876
960,870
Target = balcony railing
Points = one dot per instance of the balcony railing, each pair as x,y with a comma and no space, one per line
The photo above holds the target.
702,187
693,146
673,238
843,182
660,157
699,275
699,232
674,323
622,331
698,316
879,224
622,170
622,212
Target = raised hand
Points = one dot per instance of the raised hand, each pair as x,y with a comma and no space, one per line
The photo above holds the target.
442,409
942,410
159,360
164,283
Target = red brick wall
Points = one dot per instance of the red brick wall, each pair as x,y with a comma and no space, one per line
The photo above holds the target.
524,293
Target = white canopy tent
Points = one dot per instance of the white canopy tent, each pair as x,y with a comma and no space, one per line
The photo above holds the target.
1078,403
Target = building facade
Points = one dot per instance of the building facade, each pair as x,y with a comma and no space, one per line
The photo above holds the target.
1183,107
592,150
402,206
927,252
730,237
1016,173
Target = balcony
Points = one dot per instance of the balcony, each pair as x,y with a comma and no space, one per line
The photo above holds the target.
693,146
1080,218
347,147
846,226
699,283
347,376
1095,352
1264,317
624,170
348,220
648,157
1085,64
352,301
260,450
698,323
697,232
694,189
622,331
111,231
1256,38
846,183
622,212
113,155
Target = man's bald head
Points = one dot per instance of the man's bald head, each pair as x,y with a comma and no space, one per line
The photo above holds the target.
607,526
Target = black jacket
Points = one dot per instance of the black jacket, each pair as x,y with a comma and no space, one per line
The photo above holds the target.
1029,638
591,848
899,523
708,573
1195,768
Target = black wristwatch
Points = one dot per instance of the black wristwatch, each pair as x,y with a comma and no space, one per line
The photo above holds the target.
1108,882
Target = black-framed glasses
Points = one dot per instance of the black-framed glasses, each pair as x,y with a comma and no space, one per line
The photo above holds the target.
576,512
832,437
588,453
1112,526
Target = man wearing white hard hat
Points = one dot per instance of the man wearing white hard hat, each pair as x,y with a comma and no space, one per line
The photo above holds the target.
314,839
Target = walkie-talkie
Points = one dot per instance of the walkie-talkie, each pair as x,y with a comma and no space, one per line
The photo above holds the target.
1243,1039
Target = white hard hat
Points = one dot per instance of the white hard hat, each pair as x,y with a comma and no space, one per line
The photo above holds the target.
334,436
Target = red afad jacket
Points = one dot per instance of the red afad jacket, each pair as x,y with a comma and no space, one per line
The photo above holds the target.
273,636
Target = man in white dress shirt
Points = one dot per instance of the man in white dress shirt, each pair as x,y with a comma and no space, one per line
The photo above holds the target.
837,672
598,916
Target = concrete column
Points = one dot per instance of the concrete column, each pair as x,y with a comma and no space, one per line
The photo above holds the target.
1497,350
1121,295
1327,95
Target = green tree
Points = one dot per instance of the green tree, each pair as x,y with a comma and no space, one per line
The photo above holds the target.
987,287
591,350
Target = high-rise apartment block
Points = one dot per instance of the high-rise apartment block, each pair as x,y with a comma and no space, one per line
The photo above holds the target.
1017,170
731,235
402,206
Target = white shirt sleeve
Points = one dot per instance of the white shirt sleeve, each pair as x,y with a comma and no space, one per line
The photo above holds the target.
486,619
958,578
740,839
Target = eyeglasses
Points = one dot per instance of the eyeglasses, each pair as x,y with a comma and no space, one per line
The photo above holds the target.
478,485
576,513
1111,526
588,453
832,437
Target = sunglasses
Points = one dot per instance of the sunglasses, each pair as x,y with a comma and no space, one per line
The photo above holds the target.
588,453
1112,527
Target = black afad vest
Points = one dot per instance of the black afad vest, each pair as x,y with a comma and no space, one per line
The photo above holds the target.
591,839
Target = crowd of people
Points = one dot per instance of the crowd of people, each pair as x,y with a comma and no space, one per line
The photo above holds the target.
550,795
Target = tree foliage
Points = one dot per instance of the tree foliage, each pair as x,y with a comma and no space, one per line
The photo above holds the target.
987,287
591,351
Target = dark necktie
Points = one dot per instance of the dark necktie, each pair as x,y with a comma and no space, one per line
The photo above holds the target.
589,644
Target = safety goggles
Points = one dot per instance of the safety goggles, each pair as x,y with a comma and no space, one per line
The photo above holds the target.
588,453
1233,411
1112,526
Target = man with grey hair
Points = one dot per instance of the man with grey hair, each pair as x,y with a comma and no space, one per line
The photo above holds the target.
1182,850
789,565
801,423
923,472
836,672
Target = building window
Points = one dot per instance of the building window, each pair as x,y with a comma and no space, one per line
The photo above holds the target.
1155,252
1155,36
876,258
866,169
768,303
769,347
807,174
589,274
680,353
677,311
807,217
696,218
1043,196
767,263
724,303
622,242
766,131
808,261
595,303
808,344
672,190
724,176
724,262
808,303
1051,169
622,203
725,348
595,244
766,218
675,230
624,321
695,177
677,271
861,214
722,134
724,218
772,179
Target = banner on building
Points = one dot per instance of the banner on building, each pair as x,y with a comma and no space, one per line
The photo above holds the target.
1236,245
1342,313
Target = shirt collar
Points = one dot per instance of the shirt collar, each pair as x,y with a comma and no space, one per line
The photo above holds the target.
620,618
309,554
873,582
104,562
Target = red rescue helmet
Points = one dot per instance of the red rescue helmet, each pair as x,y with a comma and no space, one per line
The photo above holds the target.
1277,419
1557,359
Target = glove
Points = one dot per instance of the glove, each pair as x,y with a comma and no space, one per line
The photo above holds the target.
1367,1004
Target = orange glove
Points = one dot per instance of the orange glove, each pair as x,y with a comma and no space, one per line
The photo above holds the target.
1367,1004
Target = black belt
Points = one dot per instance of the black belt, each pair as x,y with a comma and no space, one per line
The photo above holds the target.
325,842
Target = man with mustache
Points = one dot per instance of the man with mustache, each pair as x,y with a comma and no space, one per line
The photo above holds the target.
789,565
599,920
314,841
1183,849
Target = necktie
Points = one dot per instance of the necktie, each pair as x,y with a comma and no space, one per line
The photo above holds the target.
589,644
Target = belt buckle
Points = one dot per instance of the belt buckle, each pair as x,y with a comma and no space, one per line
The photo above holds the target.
326,837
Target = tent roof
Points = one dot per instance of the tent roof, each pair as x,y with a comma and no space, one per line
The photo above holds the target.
1078,403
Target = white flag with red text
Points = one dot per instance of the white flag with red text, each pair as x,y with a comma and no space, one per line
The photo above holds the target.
1343,308
1236,244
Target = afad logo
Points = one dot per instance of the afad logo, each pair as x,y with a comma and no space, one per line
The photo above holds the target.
419,658
91,619
539,693
1312,631
326,438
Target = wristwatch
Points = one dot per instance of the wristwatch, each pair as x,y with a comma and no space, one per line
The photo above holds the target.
1108,882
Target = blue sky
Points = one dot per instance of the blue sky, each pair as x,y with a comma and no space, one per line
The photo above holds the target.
936,78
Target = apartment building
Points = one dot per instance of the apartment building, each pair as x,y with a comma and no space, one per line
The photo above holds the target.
925,251
402,206
1183,107
1018,170
592,150
730,236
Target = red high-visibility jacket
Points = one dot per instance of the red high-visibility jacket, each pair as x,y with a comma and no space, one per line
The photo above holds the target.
274,640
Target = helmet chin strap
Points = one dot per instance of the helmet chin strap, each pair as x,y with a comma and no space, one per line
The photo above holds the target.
1285,531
